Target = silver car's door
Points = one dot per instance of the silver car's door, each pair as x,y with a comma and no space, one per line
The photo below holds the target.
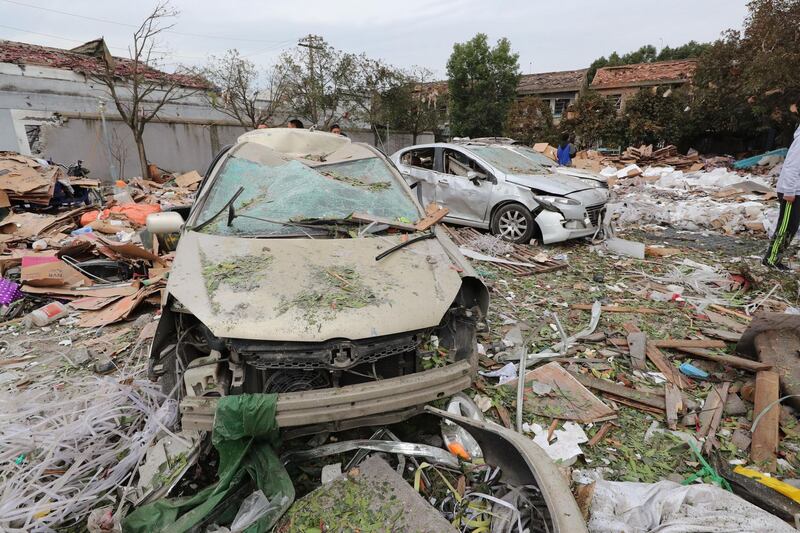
463,185
417,167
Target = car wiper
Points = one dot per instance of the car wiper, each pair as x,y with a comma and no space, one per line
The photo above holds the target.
228,205
404,244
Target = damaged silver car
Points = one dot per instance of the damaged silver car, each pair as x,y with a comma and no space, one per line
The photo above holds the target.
494,187
303,270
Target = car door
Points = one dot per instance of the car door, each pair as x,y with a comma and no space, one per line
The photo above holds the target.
467,199
417,166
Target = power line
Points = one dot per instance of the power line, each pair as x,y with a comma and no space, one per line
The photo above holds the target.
106,21
54,36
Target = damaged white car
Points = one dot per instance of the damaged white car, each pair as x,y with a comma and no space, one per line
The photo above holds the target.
301,270
492,186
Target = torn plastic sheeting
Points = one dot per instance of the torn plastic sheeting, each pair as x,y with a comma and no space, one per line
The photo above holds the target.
565,449
245,433
430,453
667,507
556,348
756,159
506,373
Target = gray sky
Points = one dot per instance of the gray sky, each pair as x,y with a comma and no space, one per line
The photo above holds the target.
548,36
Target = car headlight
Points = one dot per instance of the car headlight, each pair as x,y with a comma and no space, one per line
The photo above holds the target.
552,203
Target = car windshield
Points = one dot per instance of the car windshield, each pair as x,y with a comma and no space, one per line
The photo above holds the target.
508,161
533,155
282,188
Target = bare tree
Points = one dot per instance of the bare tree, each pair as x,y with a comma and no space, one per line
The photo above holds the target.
138,89
418,104
241,93
374,89
320,81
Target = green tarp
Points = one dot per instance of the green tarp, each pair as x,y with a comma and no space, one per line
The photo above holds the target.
245,434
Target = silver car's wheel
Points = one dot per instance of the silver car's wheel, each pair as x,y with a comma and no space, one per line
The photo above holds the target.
513,222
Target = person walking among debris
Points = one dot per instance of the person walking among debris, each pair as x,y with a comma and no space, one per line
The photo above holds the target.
564,151
788,189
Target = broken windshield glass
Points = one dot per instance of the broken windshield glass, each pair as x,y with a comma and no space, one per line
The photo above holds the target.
508,161
286,190
535,156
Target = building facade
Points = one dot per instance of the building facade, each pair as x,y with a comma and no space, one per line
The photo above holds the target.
621,83
557,89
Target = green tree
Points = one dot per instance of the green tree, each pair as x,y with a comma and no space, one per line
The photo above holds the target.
593,120
692,49
657,116
321,82
746,82
416,105
530,120
482,82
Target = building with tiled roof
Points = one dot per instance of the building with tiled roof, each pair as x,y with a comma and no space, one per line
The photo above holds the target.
558,89
622,82
53,106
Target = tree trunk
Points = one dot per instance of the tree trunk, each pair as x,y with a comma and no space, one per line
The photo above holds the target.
414,137
142,155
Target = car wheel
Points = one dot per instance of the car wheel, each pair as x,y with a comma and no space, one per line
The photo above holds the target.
513,222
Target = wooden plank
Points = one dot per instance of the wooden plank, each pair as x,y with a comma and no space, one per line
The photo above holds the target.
726,321
647,399
764,448
433,215
711,414
727,360
676,343
637,343
673,402
664,366
618,309
723,334
602,432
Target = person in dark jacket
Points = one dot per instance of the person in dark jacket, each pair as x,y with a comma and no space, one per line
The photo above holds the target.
564,151
788,189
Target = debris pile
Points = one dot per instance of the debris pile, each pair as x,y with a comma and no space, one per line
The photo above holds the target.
97,258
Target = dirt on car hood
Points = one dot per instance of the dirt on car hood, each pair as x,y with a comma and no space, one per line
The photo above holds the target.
312,290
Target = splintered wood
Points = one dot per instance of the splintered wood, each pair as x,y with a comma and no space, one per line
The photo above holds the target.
765,436
711,414
522,253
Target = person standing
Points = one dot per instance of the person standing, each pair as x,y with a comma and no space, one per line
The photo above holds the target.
788,189
564,151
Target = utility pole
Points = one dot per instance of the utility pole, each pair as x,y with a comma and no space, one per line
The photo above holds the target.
312,42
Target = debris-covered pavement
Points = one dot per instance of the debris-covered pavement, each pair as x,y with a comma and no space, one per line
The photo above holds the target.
660,357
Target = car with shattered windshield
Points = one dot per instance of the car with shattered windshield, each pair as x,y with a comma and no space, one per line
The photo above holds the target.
307,268
491,186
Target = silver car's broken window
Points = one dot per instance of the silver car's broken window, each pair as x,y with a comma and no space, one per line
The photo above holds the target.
535,156
285,189
507,161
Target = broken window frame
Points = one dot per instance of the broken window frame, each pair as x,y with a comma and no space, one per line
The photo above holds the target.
560,106
616,99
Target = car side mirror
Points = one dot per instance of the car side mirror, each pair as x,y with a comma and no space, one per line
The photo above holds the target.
164,223
474,177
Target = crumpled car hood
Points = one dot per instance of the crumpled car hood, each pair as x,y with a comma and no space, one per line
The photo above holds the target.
272,289
551,184
580,173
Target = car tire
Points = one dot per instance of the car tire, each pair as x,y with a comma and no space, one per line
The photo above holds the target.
514,223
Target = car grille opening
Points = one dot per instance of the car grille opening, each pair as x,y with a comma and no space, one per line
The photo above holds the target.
595,213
